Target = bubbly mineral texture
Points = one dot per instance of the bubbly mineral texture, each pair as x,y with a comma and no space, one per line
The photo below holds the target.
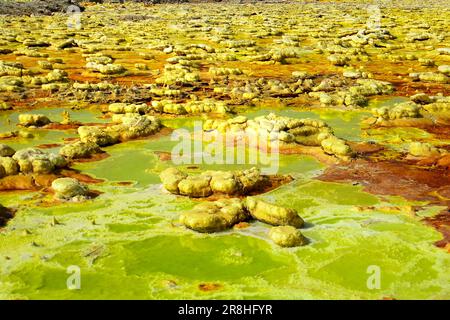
361,86
9,165
223,214
202,106
170,178
214,182
215,216
287,236
399,111
307,132
79,150
336,146
195,186
273,214
418,149
33,160
108,69
69,189
97,135
37,120
127,127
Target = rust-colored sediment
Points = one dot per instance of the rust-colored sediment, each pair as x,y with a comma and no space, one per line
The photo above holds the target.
421,123
94,157
71,139
316,152
364,148
80,176
431,184
209,286
165,131
441,223
164,155
48,145
20,182
124,183
241,225
392,178
271,183
442,161
66,126
34,182
440,131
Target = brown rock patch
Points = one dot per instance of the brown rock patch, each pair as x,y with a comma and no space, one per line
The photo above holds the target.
402,179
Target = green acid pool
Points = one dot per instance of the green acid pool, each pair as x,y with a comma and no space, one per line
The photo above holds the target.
127,243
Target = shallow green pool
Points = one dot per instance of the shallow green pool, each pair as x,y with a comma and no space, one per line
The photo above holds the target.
128,244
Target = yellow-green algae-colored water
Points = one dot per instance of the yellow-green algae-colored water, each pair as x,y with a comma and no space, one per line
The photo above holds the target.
128,244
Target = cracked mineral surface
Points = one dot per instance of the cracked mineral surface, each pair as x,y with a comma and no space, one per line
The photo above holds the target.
352,96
